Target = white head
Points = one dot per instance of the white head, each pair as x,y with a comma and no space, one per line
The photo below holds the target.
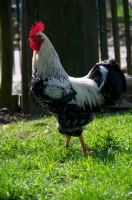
45,58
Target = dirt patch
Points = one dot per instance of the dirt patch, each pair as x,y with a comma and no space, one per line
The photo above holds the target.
7,117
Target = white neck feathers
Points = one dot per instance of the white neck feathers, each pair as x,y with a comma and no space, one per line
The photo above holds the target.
47,62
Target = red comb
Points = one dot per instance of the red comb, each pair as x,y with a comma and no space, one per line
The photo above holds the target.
39,26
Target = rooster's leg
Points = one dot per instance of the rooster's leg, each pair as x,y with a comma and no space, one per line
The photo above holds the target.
85,149
68,138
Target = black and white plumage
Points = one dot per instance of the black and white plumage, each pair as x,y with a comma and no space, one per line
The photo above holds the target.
72,100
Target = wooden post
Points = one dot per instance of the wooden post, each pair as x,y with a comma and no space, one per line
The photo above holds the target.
96,38
7,53
115,29
104,29
128,36
25,78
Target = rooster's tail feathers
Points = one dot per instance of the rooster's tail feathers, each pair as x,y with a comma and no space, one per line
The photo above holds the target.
110,79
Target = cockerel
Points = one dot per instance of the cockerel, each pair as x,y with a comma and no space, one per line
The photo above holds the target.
71,100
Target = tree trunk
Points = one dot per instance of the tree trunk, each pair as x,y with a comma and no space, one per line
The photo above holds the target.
89,53
7,53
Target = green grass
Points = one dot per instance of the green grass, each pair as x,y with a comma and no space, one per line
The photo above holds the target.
35,164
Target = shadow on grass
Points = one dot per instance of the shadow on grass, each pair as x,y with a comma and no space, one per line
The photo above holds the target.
106,154
110,152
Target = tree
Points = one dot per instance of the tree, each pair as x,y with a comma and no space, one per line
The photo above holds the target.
70,27
6,53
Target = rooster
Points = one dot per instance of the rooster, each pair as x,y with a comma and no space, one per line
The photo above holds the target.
71,100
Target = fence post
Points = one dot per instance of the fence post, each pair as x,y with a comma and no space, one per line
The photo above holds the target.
115,29
128,36
24,68
103,28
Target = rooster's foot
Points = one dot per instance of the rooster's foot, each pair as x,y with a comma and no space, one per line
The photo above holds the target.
68,138
86,151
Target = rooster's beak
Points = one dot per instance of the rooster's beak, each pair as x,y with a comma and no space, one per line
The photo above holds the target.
29,39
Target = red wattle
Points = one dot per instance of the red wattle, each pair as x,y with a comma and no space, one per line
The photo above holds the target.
35,45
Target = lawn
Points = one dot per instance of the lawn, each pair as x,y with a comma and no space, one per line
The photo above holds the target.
35,164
